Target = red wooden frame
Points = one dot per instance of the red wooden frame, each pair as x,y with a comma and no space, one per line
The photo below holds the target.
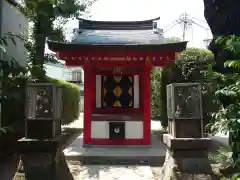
147,106
125,58
144,87
141,56
143,141
87,103
91,62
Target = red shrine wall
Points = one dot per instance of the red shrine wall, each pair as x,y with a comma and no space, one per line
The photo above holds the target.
135,132
133,121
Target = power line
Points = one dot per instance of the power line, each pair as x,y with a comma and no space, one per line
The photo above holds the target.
199,20
175,21
186,21
172,25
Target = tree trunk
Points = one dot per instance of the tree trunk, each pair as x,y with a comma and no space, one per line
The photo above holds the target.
223,18
42,26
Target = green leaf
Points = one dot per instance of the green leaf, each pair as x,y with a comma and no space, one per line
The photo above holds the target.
13,40
3,48
4,41
233,64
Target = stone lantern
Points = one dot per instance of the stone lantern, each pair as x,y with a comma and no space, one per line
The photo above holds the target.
187,149
184,110
43,111
41,148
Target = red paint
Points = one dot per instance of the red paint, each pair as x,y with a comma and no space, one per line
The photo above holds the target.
94,90
141,90
109,72
141,60
116,110
119,142
103,58
117,117
87,103
147,106
91,62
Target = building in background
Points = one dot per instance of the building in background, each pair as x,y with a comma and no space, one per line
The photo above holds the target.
55,70
14,21
61,72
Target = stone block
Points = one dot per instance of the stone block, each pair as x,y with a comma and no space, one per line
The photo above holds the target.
186,158
184,168
185,128
38,159
186,143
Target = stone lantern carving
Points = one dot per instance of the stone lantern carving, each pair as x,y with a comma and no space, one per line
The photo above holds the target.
43,111
184,110
187,149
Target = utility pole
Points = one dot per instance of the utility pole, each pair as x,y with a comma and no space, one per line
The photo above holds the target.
185,20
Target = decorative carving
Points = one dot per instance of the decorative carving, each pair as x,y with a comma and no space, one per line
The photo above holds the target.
118,71
187,102
117,91
184,101
117,130
44,103
184,104
43,110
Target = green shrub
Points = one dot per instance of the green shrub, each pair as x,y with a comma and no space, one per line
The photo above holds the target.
71,98
158,87
13,101
186,68
13,107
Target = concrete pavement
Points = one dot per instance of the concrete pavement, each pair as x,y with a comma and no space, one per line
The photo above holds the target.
91,169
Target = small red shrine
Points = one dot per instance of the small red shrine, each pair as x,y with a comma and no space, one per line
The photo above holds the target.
117,58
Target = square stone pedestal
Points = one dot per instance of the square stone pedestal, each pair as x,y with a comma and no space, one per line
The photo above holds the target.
186,158
39,159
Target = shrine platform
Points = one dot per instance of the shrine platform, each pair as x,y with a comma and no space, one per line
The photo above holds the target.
116,155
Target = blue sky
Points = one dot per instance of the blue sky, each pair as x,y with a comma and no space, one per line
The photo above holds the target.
168,10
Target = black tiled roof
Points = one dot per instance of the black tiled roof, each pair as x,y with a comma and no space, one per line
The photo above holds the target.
58,46
117,37
135,35
116,25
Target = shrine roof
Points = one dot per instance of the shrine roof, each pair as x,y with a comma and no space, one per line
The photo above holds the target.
135,35
60,46
117,37
116,25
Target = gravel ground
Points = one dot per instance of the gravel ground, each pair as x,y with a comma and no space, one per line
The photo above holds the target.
102,172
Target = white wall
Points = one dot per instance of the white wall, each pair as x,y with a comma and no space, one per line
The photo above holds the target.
59,71
54,71
14,21
133,129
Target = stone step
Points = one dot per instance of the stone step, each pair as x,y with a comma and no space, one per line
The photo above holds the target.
118,160
117,154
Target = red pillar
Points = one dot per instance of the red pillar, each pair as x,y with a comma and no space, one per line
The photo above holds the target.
147,106
88,95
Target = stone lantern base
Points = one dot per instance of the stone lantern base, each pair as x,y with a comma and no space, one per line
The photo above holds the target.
41,159
186,158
